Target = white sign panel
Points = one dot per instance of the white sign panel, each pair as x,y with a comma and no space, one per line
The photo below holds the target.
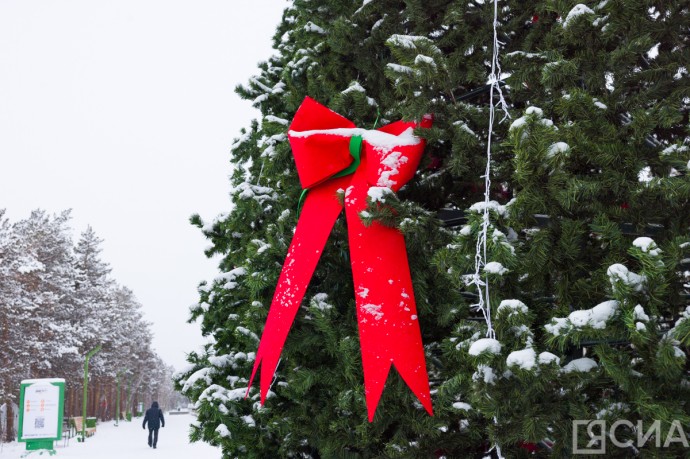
41,405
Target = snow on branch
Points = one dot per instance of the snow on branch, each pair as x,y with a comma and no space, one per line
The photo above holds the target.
596,317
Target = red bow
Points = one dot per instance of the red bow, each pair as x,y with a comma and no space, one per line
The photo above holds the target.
386,312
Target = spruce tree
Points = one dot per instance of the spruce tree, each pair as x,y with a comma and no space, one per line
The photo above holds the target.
43,304
587,244
600,151
11,312
92,289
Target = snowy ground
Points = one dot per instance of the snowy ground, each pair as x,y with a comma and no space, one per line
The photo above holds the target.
127,441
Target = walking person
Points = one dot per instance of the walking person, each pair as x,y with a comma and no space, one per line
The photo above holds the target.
155,419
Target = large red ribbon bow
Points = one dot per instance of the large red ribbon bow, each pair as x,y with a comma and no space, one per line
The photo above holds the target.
386,312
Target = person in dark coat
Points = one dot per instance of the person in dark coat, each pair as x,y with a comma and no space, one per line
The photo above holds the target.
155,419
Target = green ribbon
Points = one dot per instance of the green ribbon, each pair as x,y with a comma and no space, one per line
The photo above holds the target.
376,121
355,152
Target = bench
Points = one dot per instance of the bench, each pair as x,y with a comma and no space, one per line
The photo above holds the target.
78,422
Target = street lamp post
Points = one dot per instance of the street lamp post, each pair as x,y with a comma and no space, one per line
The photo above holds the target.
117,413
86,389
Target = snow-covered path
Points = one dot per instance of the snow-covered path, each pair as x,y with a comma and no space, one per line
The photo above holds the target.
127,441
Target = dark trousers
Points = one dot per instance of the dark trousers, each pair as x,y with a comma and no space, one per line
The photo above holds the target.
154,433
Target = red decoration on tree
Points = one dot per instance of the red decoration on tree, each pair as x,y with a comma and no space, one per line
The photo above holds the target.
531,447
386,313
435,163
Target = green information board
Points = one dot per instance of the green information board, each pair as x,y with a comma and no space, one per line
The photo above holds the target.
41,409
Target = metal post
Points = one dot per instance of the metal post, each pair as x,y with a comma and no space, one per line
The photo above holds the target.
86,389
128,401
117,402
117,413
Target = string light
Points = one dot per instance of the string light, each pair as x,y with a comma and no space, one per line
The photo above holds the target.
482,282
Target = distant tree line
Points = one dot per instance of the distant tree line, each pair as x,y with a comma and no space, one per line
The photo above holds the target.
57,302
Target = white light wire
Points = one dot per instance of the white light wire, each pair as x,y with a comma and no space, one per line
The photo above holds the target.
484,302
480,258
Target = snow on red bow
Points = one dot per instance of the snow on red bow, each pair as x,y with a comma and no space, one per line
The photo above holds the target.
386,311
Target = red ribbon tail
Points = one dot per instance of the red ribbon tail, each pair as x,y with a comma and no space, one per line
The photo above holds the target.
386,311
319,213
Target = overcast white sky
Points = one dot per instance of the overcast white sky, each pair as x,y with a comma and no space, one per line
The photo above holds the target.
124,111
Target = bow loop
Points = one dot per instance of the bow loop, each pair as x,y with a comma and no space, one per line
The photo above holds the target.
323,154
319,156
393,156
394,167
